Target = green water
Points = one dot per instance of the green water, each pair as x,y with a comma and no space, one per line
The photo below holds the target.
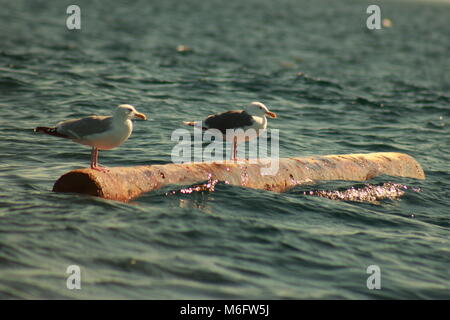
337,88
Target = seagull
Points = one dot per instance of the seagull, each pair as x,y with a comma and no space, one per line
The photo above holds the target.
252,116
99,132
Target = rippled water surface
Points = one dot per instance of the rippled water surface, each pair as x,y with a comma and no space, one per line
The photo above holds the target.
337,88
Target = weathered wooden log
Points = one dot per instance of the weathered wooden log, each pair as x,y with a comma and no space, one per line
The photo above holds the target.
126,183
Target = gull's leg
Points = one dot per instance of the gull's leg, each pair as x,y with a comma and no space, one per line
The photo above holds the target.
94,161
235,147
93,157
97,166
232,151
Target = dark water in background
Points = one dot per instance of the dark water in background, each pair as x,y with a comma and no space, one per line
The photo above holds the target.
337,87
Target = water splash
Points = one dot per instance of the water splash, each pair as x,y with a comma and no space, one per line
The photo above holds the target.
369,193
203,187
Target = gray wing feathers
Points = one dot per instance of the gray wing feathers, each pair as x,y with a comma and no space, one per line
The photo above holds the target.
80,128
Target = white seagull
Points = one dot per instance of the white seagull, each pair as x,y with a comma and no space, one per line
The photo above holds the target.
252,116
99,132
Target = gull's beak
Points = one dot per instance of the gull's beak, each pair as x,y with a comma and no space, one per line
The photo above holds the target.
140,115
271,114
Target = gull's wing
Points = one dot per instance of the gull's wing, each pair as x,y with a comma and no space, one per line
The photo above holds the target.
84,127
229,120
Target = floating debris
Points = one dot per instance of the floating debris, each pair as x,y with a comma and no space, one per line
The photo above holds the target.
387,23
125,184
183,49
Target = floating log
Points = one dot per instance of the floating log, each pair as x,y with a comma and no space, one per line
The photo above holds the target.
126,183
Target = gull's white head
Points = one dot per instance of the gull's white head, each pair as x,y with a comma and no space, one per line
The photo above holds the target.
258,109
126,111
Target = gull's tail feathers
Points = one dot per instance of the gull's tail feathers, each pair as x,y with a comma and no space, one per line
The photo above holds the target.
196,124
50,131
